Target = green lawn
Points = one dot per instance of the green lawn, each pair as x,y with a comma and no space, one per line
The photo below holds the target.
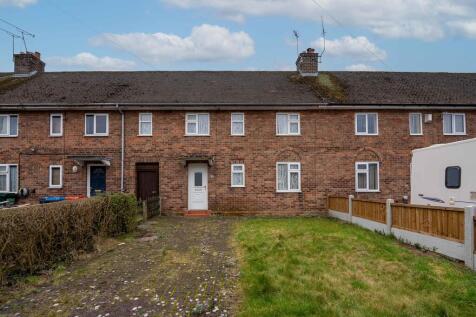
321,267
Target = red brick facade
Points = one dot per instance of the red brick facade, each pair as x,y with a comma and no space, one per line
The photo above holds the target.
327,150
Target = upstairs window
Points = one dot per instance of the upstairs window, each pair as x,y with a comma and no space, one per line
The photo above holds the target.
145,124
367,177
197,124
288,177
9,125
97,124
8,178
416,124
288,124
56,176
366,124
56,125
454,124
453,177
237,175
238,124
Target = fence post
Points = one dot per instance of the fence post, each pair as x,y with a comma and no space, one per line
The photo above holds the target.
389,215
145,212
469,214
350,207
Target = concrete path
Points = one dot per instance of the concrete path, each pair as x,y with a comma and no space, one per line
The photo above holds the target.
173,267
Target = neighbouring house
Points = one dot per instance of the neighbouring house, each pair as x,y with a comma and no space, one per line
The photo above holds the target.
252,142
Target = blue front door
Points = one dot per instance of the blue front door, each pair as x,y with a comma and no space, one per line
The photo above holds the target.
97,180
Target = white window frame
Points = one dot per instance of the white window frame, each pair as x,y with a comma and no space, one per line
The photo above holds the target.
94,125
453,121
289,114
237,121
8,135
289,177
142,121
52,134
367,171
366,114
242,172
187,121
50,182
410,122
9,190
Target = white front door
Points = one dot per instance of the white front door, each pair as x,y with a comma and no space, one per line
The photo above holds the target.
198,187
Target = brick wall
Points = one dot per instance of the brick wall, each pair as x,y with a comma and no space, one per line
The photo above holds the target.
327,150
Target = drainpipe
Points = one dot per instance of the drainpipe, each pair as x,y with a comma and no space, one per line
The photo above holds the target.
122,146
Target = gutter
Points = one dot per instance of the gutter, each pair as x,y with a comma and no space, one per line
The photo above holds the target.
122,146
224,106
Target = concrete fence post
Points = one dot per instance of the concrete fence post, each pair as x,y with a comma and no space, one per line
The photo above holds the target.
145,212
351,197
389,215
469,214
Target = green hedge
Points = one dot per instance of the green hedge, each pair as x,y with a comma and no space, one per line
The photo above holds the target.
34,238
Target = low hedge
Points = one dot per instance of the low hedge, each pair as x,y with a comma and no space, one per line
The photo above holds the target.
34,238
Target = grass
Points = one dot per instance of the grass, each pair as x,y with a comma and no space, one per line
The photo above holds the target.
321,267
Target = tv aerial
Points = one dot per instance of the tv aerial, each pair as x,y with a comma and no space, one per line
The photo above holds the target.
20,33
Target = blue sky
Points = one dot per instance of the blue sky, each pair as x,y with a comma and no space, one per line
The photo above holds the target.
389,35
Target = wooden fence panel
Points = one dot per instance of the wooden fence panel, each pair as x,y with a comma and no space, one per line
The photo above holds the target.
370,210
447,223
338,204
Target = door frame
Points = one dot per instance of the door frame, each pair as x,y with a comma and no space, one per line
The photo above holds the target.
189,196
88,182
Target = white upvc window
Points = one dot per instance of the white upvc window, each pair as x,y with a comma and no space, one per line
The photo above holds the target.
8,125
366,124
454,124
56,176
288,124
56,124
8,178
416,124
288,177
96,124
238,175
145,124
367,177
238,124
197,124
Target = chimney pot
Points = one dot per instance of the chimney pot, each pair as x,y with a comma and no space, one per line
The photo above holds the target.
28,62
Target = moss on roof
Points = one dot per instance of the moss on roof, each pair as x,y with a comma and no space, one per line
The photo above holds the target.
8,83
326,86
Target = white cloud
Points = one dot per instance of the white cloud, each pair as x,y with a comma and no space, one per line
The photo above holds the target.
356,48
422,19
206,43
360,68
88,61
17,3
467,28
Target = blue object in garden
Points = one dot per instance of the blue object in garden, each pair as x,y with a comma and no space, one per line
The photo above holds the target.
51,199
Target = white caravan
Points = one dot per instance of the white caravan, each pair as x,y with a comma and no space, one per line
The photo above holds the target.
444,175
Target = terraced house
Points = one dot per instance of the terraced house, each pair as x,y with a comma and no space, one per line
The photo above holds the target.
248,142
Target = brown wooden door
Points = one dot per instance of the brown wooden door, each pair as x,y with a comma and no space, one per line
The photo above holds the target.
147,180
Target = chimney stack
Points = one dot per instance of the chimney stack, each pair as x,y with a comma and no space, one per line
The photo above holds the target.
307,63
28,63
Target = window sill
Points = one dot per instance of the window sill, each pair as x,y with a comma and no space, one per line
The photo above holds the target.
96,135
363,134
145,135
455,134
288,191
367,191
8,136
238,135
421,134
238,186
289,134
56,136
197,135
55,187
